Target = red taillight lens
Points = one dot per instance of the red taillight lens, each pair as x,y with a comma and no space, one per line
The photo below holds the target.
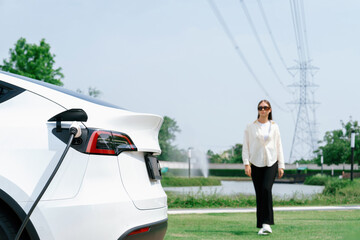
141,230
122,142
109,143
100,143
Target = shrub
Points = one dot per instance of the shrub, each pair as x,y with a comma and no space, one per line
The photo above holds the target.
351,189
215,200
332,186
227,172
318,179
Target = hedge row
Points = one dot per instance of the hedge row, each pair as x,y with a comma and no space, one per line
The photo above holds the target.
182,172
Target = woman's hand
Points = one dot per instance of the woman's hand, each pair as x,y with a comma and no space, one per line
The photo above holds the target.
281,172
248,170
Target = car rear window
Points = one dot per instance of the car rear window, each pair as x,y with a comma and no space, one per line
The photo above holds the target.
8,91
64,90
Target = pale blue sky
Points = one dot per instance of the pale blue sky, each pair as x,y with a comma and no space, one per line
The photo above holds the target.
171,57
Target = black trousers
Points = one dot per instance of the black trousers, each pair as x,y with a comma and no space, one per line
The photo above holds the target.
263,179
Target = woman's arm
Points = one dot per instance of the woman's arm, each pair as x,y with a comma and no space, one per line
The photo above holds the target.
248,170
280,154
279,149
245,153
245,148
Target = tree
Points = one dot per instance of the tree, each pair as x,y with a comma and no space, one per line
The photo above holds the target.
336,149
167,135
237,154
34,61
232,155
214,157
92,92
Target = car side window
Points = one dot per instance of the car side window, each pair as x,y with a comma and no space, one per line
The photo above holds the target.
8,91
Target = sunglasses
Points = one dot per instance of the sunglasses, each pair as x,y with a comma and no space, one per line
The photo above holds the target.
265,108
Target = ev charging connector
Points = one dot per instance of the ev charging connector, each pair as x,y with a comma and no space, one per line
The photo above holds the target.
75,129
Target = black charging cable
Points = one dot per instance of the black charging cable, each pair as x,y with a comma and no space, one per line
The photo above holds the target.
74,131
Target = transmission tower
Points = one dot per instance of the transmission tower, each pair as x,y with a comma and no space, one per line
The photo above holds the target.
305,135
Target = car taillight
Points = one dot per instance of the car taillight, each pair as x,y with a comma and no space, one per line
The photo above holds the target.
109,143
141,230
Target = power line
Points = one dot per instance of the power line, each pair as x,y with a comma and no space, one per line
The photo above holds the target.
272,37
302,13
297,12
238,50
295,29
248,17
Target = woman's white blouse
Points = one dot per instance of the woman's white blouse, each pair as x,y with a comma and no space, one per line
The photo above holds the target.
265,129
260,152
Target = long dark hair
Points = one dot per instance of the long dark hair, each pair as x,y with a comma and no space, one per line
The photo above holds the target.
268,103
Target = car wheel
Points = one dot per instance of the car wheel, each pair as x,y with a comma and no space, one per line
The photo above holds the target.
7,228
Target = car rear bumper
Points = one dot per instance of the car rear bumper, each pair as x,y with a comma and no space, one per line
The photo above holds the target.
153,231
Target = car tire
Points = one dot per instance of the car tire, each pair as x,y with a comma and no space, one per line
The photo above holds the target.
7,227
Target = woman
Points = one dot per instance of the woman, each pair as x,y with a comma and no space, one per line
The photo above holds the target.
263,156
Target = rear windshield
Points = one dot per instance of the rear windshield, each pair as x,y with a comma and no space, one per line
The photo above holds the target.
64,90
8,91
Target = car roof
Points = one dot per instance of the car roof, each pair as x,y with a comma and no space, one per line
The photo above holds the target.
59,89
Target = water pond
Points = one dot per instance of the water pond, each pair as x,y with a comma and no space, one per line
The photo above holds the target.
280,190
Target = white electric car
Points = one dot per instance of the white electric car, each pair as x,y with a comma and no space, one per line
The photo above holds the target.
107,186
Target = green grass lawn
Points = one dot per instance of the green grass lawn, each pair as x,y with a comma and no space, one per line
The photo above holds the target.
289,225
187,182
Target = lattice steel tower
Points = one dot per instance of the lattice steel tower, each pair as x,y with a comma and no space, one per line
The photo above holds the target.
305,135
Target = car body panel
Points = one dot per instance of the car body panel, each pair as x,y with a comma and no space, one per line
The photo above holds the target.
20,117
144,193
91,196
96,206
141,127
